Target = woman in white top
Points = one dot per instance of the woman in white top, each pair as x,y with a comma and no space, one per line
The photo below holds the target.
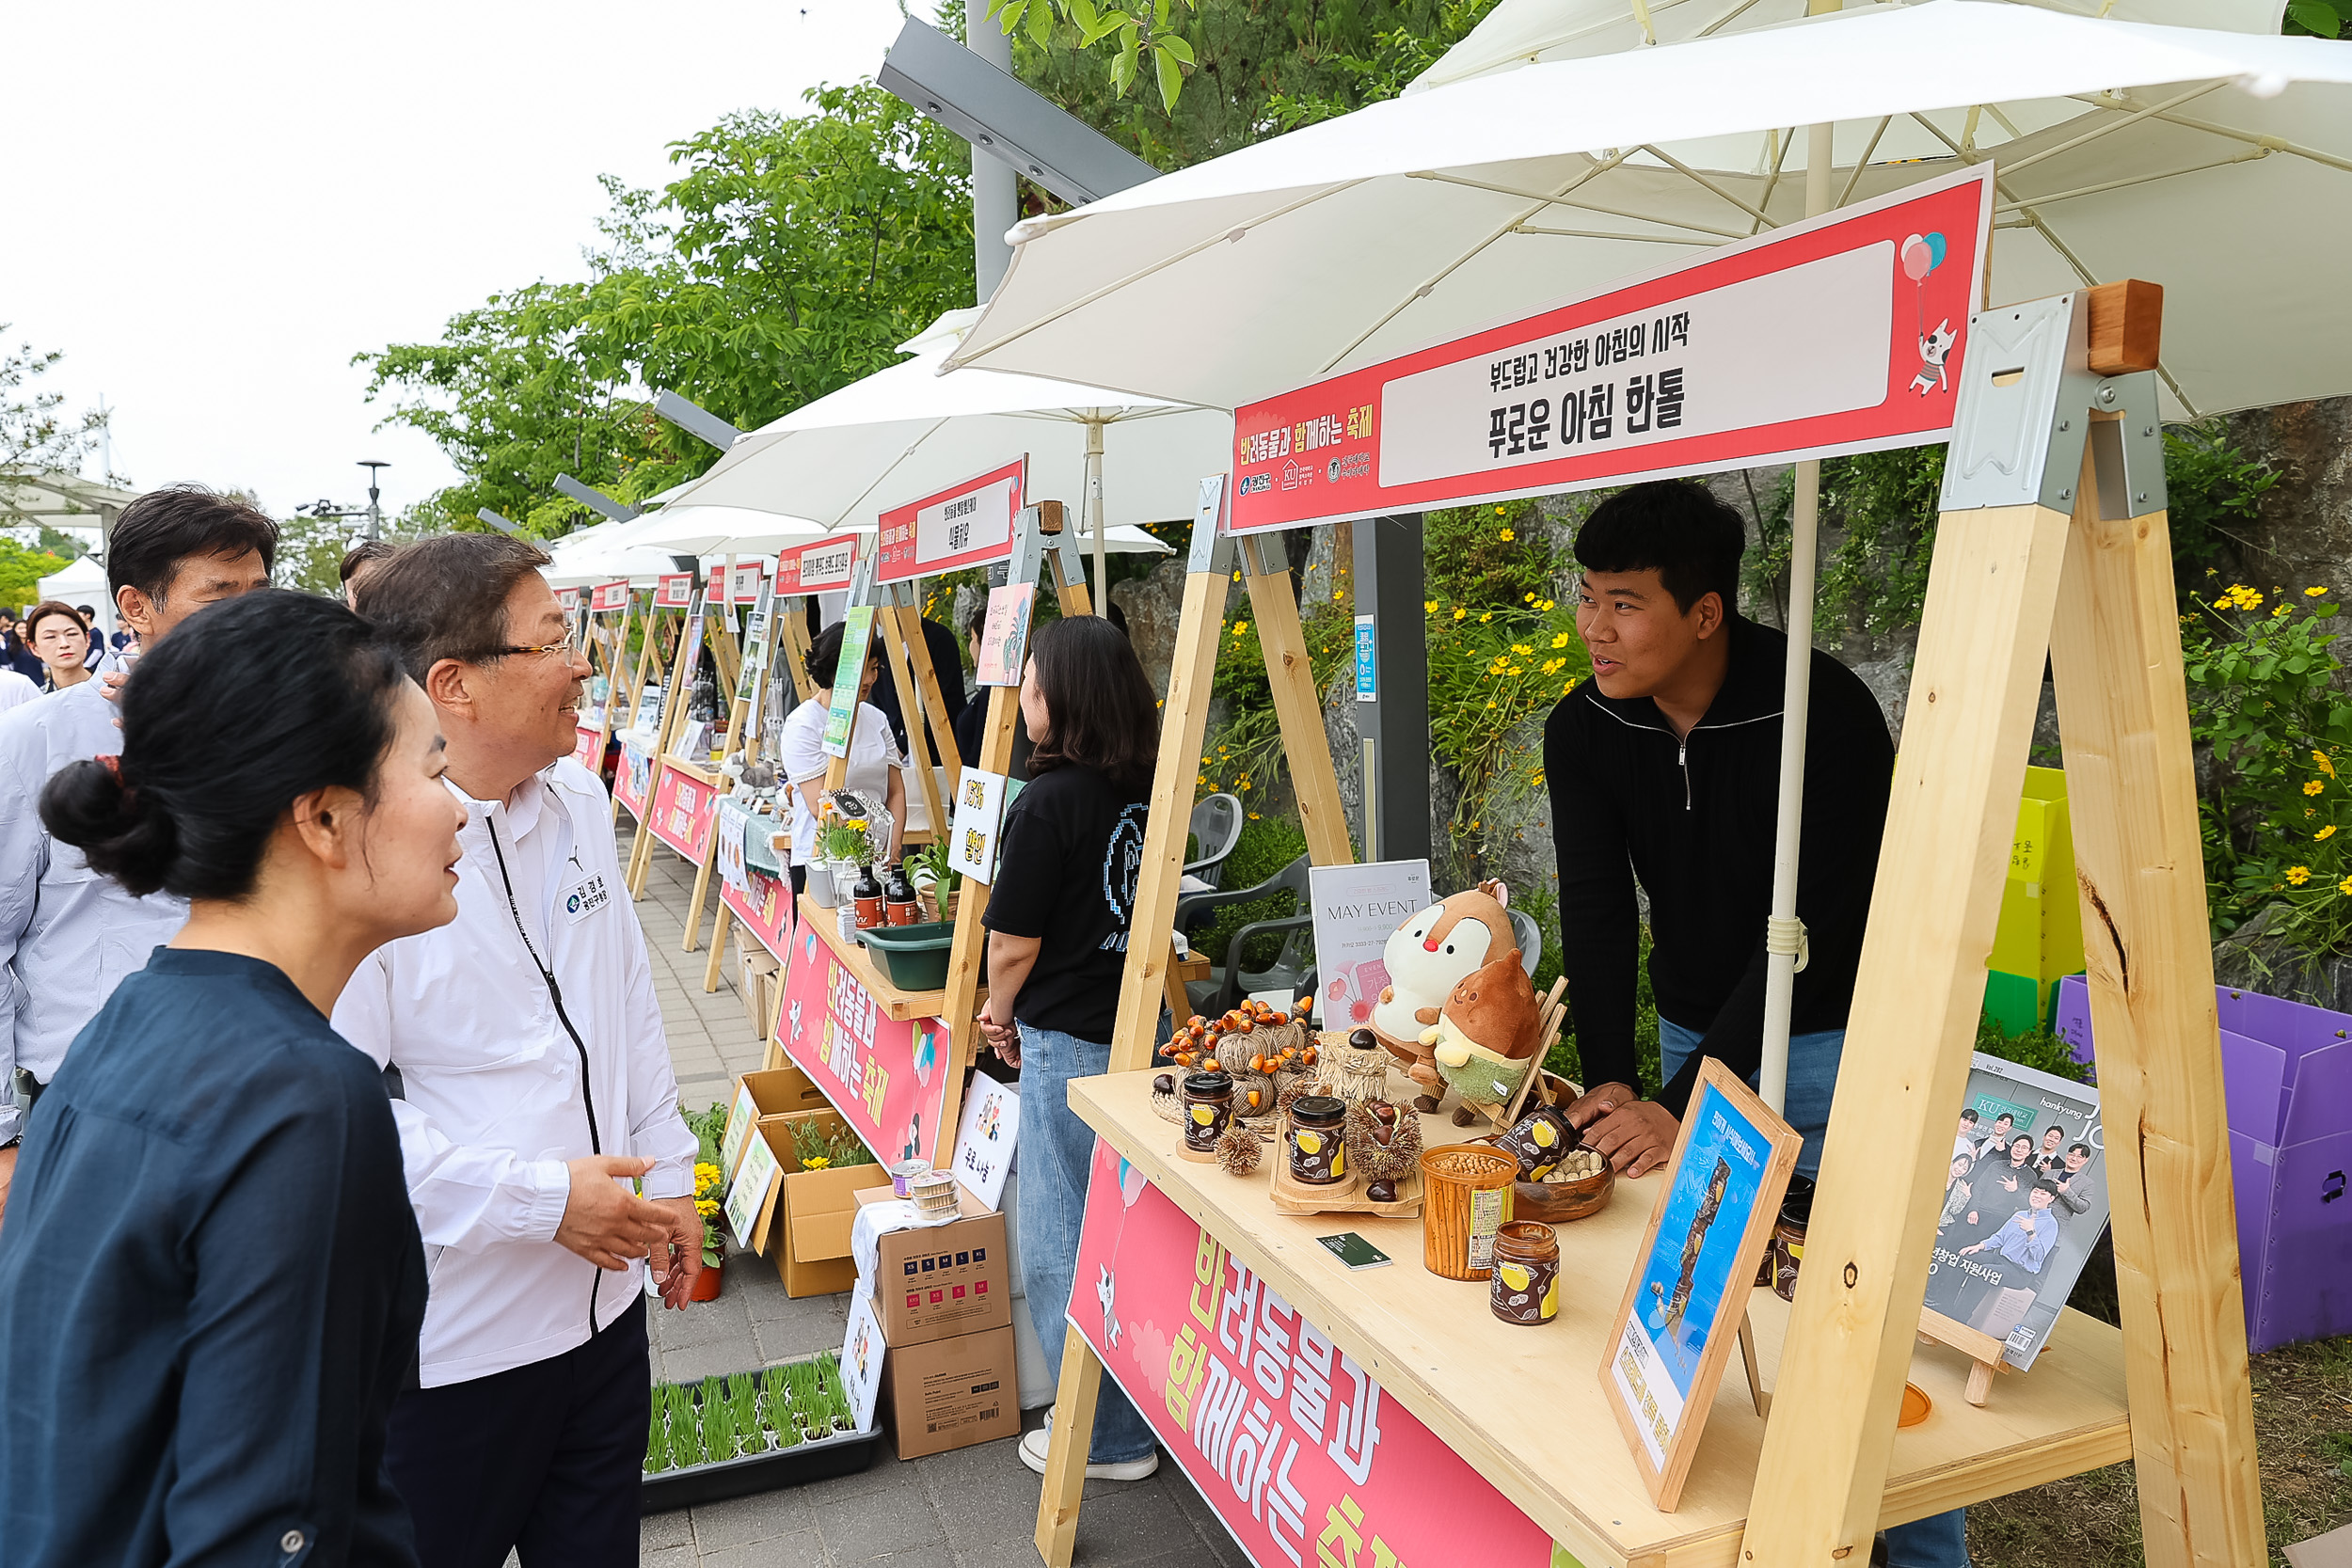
876,769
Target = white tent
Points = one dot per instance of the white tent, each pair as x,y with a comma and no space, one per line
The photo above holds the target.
83,582
2124,148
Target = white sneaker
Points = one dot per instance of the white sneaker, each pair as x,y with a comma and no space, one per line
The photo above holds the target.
1033,1448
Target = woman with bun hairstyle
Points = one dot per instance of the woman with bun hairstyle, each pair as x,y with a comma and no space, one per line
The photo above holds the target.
211,1280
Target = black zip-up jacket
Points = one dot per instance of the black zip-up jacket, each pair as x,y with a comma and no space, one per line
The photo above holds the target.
1693,818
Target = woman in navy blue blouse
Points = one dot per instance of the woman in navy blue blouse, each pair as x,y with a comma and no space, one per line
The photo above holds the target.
209,1275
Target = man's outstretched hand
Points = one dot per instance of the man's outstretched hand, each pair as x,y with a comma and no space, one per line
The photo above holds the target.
1635,1136
678,1262
606,1223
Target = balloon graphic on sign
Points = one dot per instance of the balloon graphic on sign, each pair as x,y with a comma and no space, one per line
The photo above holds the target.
1918,256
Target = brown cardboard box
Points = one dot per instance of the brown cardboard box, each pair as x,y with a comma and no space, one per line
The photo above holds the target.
784,1091
947,1394
943,1281
810,1234
756,971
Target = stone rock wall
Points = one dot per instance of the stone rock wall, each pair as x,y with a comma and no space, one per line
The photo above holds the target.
2302,534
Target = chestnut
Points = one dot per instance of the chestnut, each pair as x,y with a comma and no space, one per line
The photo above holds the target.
1164,1084
1381,1191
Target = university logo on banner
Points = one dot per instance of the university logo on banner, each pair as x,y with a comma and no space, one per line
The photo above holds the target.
1842,334
966,525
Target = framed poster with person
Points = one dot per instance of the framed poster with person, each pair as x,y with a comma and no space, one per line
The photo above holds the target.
1693,1274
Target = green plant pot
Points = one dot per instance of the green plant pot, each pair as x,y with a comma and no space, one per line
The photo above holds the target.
915,958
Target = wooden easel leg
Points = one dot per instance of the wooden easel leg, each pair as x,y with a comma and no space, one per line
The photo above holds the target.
1975,683
1297,704
718,947
1755,1373
2123,710
1066,1457
1179,1000
695,911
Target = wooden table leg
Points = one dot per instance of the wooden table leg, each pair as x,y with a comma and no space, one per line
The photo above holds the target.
1066,1457
718,944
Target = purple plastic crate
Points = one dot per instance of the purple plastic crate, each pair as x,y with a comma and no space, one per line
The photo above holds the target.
2286,1072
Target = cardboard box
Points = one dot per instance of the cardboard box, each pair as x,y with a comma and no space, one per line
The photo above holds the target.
809,1236
756,971
947,1394
784,1091
945,1280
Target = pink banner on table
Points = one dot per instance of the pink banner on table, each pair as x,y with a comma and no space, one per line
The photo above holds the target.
684,813
633,780
887,1079
1288,1440
765,908
584,749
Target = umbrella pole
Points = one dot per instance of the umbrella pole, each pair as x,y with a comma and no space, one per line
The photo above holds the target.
1094,515
1784,933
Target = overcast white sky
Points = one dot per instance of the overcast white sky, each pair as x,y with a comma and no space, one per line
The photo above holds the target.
211,208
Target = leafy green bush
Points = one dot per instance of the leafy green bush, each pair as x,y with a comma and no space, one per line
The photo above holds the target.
1564,1059
2034,1047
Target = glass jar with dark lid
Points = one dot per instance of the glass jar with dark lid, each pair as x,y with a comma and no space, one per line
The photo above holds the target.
1207,1100
1316,1141
1526,1280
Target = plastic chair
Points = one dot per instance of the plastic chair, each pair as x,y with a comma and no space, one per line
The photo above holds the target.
1292,967
1530,940
1215,827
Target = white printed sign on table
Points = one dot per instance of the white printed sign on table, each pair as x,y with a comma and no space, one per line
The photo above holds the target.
985,1135
755,1181
1356,909
742,1118
979,817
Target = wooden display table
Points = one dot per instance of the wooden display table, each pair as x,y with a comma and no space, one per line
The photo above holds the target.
1524,1408
898,1005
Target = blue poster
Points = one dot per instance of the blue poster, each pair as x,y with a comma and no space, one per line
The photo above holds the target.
1690,1267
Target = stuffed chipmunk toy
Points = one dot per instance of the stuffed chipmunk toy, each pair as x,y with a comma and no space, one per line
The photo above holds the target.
1484,1040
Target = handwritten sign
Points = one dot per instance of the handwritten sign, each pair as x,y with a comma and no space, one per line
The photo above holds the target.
824,566
857,636
965,524
978,819
888,1078
1288,1440
1793,345
1356,909
985,1132
1004,635
685,813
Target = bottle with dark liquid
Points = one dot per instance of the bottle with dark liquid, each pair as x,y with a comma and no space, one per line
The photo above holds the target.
866,896
899,905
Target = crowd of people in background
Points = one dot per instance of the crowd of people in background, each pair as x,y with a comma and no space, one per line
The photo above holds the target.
52,647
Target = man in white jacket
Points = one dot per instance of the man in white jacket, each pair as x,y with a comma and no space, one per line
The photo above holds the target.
535,1085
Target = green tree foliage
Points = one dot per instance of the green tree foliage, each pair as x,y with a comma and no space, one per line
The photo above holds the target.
1224,73
21,571
789,258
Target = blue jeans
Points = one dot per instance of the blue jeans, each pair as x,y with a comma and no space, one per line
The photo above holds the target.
1057,1156
1941,1539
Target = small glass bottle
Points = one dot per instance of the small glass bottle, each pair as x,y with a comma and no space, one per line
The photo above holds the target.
899,905
1525,1286
867,896
1207,1099
1316,1142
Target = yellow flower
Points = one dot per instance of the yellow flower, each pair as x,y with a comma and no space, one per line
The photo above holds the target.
2325,834
1561,641
816,1162
1522,649
2319,760
1241,629
1429,605
2298,875
706,1207
2314,787
2344,887
1488,616
2314,592
1528,598
2281,613
1512,671
1507,535
1459,612
1547,603
1499,511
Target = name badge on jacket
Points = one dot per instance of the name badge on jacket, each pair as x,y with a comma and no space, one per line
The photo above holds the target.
586,896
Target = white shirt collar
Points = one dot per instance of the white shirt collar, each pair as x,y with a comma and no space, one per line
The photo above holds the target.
522,809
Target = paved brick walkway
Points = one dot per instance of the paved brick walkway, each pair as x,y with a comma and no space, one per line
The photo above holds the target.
973,1508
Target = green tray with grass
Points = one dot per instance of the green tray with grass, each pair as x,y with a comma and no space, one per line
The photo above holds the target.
915,958
754,1431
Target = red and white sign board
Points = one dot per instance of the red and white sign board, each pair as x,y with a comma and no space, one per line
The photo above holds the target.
584,749
610,595
1842,334
822,566
633,782
1290,1442
685,813
567,599
764,905
674,591
965,524
888,1077
743,582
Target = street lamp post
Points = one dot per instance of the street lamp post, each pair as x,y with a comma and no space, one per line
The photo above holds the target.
375,507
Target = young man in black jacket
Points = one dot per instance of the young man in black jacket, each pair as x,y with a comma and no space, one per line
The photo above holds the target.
1666,768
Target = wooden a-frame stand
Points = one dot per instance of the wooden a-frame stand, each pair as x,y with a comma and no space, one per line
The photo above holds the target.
2052,539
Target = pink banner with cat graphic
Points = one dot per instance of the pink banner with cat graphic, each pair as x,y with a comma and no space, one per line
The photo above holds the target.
1288,1440
888,1079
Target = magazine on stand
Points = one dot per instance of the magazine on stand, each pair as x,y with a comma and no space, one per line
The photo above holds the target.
2025,1202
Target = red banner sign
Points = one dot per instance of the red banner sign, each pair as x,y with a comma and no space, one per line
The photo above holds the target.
1286,1437
965,524
633,780
567,599
610,595
823,566
684,813
1793,345
887,1079
744,583
673,590
585,749
765,908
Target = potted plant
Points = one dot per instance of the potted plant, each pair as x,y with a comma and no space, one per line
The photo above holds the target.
708,1127
837,841
935,879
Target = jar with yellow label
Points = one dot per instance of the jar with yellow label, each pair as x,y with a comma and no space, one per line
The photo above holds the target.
1207,1100
1526,1281
1318,1145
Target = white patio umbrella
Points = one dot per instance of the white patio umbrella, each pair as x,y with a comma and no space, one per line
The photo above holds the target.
1351,241
907,432
1482,197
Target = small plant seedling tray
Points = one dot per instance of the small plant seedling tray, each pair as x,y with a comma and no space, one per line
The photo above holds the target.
842,1454
747,1419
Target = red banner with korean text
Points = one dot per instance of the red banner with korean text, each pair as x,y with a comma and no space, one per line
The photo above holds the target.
888,1079
820,566
674,591
610,595
1792,344
1288,1440
584,749
685,813
965,524
567,599
764,905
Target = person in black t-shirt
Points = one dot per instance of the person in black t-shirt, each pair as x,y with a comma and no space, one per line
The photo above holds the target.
1056,949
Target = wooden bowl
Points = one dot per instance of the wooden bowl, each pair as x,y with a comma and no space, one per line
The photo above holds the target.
1558,1202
